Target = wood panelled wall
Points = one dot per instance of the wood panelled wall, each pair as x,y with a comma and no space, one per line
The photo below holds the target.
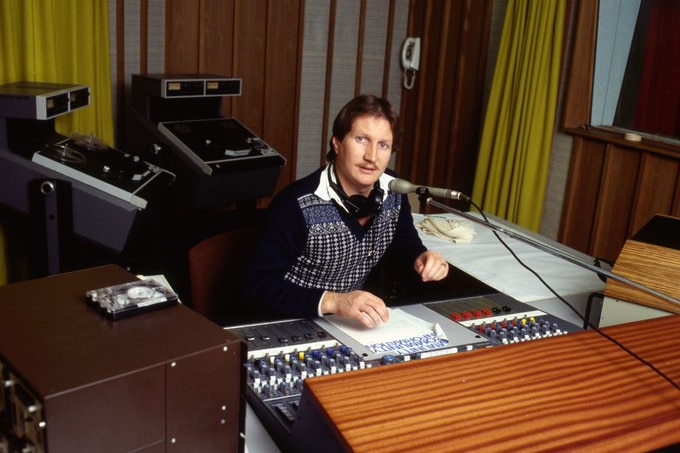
258,41
349,47
614,190
442,114
615,186
301,60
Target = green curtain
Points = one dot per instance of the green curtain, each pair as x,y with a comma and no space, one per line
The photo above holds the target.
512,168
60,41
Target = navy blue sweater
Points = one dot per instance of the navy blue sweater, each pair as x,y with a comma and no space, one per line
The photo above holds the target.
311,245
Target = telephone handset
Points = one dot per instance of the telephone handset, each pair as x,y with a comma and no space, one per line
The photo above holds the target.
410,60
410,54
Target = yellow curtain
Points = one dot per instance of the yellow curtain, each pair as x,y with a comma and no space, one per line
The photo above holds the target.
59,41
512,167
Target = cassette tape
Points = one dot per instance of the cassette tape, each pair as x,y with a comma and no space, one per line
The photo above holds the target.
127,299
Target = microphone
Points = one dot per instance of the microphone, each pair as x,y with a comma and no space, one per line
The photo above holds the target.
404,187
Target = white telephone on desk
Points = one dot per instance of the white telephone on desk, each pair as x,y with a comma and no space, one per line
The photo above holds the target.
410,60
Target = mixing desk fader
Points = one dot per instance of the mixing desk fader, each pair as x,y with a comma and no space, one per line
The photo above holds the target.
283,354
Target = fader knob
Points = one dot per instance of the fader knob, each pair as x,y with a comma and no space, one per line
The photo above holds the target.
347,363
503,334
388,359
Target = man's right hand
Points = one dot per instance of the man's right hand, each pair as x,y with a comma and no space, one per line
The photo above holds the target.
362,306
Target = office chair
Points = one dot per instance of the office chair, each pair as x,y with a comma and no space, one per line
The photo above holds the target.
216,270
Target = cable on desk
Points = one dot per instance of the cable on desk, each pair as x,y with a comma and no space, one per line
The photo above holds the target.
585,320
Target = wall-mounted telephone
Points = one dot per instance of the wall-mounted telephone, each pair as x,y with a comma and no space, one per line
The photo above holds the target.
410,60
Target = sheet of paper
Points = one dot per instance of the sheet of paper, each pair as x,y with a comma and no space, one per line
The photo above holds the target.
403,334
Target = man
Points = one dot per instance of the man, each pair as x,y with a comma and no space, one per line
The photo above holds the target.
329,230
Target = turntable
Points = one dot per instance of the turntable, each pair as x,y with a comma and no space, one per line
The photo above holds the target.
218,145
93,162
61,191
175,121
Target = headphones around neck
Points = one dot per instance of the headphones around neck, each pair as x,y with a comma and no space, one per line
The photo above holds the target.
358,206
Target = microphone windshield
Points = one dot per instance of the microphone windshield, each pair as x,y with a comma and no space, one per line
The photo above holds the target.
402,186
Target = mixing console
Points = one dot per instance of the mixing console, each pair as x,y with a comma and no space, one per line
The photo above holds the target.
500,319
281,355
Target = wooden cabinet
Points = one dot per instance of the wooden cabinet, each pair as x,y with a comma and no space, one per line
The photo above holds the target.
615,186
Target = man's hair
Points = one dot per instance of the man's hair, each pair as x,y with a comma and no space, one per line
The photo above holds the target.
362,105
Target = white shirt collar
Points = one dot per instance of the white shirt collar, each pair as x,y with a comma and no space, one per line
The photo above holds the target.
327,193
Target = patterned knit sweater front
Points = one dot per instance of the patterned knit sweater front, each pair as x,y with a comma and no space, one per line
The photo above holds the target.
311,245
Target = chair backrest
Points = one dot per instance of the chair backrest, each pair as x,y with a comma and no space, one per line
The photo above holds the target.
216,269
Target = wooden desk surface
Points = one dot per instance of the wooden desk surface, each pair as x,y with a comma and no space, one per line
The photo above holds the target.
579,392
79,345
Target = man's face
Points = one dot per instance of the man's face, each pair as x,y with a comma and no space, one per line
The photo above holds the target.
363,154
